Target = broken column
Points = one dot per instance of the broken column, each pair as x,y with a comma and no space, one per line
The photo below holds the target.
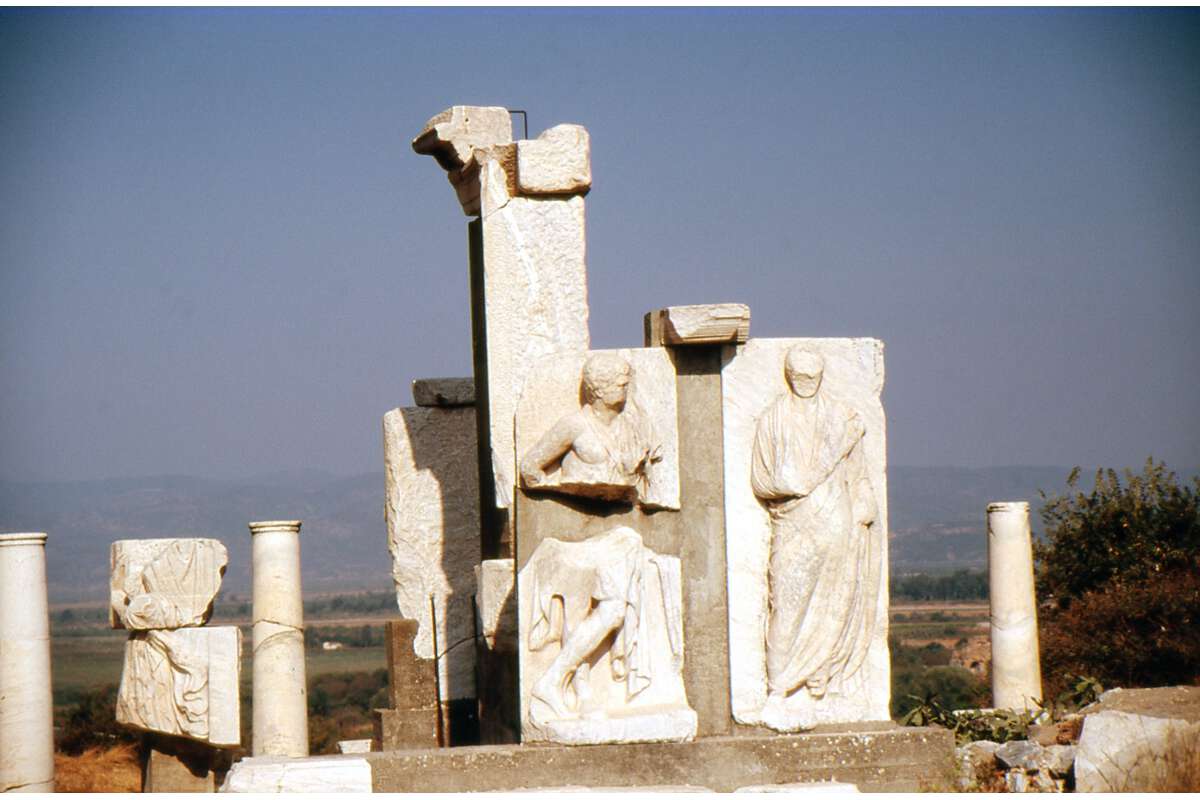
26,705
1016,673
280,688
528,270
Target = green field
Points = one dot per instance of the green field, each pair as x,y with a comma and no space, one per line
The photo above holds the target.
83,662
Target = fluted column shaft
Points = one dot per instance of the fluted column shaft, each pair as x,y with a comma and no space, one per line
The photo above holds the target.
280,691
1016,673
26,703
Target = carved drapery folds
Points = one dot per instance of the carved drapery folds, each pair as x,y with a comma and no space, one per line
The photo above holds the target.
602,642
179,679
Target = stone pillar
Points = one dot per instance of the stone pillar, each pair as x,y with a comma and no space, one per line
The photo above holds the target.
1016,673
280,689
26,706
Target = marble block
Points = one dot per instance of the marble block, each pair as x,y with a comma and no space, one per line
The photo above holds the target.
495,604
443,392
453,136
316,774
535,299
557,162
164,583
183,683
717,323
432,512
567,444
806,531
601,643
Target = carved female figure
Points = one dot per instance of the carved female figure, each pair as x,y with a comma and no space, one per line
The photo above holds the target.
808,470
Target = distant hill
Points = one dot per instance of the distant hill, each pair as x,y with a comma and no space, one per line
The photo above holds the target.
937,521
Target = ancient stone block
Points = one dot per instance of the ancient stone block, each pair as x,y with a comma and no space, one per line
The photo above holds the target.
806,522
432,514
164,583
717,323
183,683
318,774
601,425
1140,740
601,643
496,604
557,162
444,392
452,136
535,300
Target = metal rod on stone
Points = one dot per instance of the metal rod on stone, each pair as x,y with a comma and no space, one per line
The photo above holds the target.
280,689
26,704
1016,673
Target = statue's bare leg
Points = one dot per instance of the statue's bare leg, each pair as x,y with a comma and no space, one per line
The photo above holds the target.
578,645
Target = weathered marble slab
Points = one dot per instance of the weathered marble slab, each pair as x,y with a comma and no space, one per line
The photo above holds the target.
753,381
183,683
164,583
716,323
535,296
601,643
553,391
443,392
557,162
432,513
315,774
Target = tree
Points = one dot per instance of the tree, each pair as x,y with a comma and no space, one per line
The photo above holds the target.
1148,526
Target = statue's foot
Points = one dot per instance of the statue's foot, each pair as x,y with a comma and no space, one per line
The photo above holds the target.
777,716
546,701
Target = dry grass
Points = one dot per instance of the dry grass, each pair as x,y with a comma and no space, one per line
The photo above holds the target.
96,770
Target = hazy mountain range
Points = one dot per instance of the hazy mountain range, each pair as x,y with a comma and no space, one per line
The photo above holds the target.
937,520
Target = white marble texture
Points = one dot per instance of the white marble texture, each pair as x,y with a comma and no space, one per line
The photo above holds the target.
535,296
552,391
26,701
432,512
1016,670
752,380
183,683
280,715
317,774
556,162
164,583
601,643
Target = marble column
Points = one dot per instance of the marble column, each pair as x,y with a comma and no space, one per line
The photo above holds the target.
280,690
1016,673
26,705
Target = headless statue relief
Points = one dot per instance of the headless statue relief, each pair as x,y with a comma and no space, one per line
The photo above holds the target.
808,471
605,449
606,589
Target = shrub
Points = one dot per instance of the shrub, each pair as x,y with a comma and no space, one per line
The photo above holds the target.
953,687
92,723
1126,634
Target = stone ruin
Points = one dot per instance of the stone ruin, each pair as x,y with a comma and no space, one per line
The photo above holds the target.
675,553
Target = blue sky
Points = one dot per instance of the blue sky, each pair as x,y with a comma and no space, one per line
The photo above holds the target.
219,255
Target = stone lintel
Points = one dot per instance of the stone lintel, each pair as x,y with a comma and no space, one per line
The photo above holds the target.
881,757
710,324
443,392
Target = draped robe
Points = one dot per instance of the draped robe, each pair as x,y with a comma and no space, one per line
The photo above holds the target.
809,472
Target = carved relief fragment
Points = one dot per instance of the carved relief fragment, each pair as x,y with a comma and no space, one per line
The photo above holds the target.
164,583
805,501
614,437
183,683
602,643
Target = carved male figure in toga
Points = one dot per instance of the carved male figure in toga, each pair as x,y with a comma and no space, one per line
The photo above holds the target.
808,471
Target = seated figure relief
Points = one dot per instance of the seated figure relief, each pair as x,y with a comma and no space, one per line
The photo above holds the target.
606,449
808,471
604,632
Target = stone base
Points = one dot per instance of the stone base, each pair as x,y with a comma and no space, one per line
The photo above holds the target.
876,757
405,729
664,725
174,765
